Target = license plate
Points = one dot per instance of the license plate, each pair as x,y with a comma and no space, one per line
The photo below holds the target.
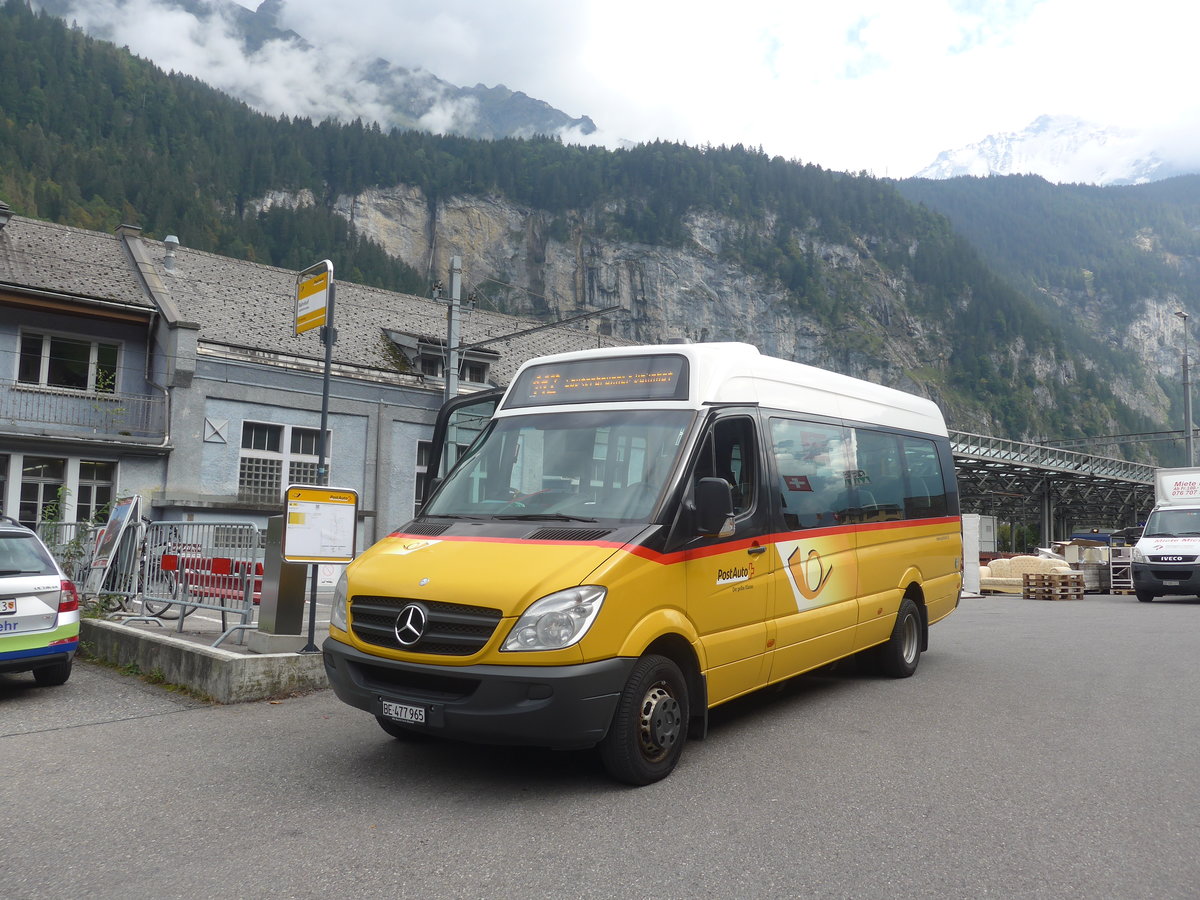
8,606
402,712
1173,583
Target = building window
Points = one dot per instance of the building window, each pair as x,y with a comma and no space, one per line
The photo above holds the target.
3,482
42,480
94,498
59,362
263,462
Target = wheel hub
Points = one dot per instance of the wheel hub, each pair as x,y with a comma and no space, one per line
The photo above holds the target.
661,722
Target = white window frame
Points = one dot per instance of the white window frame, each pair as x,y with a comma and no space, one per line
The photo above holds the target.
288,460
47,339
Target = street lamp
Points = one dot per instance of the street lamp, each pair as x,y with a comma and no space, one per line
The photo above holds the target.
1187,393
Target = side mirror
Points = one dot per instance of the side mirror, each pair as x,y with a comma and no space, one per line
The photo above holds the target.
714,507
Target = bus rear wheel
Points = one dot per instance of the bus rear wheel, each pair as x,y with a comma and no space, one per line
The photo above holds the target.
898,658
649,728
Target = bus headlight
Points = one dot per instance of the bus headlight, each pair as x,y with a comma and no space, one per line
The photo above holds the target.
557,620
337,613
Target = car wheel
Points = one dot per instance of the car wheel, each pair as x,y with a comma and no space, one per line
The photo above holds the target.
1144,597
49,676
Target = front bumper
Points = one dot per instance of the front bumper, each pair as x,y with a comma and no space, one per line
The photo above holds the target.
564,707
1161,579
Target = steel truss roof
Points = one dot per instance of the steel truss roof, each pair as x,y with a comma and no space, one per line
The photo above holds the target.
1013,481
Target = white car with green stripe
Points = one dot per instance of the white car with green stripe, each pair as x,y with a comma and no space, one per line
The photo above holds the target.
39,608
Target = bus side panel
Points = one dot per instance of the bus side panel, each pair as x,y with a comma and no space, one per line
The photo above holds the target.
728,598
891,556
815,608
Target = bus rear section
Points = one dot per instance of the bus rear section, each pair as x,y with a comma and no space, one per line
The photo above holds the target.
638,535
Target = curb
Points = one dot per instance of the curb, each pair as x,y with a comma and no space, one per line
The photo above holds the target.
222,675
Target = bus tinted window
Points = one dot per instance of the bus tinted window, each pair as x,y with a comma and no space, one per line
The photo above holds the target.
812,463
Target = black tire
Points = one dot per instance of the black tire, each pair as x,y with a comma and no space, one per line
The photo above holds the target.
50,676
899,657
1144,597
400,732
649,727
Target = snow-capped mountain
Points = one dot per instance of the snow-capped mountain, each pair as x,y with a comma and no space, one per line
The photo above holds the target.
1061,149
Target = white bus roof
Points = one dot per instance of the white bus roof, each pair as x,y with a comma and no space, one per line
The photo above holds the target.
739,373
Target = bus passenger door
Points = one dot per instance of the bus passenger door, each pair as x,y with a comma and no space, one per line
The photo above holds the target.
816,611
729,576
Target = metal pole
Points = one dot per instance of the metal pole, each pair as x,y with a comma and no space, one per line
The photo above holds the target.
453,311
328,335
1189,438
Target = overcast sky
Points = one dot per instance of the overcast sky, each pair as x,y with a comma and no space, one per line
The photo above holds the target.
880,85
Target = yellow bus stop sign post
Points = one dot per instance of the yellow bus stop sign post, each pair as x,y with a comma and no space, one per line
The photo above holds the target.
314,289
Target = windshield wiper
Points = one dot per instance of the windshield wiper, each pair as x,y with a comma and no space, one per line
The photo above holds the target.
545,517
1158,534
453,516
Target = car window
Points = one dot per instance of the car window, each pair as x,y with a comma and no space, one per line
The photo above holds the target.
23,554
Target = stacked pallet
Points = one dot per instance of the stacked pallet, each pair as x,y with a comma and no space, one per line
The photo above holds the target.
1054,586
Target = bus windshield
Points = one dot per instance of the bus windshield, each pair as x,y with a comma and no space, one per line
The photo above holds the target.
602,464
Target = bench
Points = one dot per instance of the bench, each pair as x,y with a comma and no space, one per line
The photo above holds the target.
215,577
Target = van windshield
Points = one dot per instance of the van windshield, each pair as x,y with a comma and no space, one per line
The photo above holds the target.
602,464
1173,523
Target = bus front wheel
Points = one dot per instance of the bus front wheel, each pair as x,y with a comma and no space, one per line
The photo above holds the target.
649,728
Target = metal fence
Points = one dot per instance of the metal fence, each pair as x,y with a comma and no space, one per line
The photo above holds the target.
169,570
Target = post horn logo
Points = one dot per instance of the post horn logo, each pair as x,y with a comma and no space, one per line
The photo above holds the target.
804,571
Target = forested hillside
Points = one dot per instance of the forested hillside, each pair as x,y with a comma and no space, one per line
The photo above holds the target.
94,137
1127,243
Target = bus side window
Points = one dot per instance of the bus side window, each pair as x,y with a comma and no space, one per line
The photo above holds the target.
810,462
926,494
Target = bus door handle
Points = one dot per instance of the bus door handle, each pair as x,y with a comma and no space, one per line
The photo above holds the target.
756,549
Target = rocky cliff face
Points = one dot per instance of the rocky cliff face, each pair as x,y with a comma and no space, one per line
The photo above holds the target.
529,262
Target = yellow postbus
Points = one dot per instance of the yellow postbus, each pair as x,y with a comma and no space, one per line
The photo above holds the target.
637,535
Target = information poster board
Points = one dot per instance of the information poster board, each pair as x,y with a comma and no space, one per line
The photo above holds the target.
124,514
321,524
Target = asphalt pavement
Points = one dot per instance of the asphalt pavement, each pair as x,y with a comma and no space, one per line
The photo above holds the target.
1043,749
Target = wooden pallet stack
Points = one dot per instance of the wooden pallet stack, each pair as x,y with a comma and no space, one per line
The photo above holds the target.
1054,586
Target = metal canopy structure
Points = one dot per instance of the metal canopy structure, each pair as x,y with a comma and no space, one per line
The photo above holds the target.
1058,489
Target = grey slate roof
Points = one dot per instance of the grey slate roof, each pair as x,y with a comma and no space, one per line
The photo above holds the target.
67,260
244,304
248,305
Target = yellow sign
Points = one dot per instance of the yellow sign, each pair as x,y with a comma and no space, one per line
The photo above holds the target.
312,296
321,524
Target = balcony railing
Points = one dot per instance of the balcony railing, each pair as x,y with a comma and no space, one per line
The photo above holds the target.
55,412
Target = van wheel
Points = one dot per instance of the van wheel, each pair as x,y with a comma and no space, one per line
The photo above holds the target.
898,658
49,676
1144,597
649,728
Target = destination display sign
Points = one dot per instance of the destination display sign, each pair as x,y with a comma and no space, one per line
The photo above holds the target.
658,377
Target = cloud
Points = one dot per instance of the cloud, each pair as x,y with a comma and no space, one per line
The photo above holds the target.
871,84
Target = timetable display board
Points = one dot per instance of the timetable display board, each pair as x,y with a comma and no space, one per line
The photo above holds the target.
662,376
320,524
